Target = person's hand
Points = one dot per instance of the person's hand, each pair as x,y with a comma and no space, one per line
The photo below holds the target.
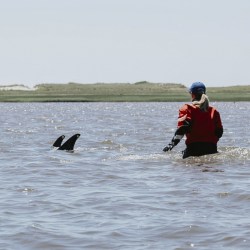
170,146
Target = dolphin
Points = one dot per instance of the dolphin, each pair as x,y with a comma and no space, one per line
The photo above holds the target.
68,145
58,141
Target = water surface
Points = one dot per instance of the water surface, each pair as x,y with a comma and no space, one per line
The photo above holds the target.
118,190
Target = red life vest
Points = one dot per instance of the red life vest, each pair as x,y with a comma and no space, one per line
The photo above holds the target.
203,124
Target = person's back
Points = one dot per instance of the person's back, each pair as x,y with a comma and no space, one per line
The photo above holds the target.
200,123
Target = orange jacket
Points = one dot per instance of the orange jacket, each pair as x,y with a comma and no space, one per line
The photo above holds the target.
203,124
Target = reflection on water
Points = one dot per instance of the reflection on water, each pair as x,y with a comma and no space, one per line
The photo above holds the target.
118,190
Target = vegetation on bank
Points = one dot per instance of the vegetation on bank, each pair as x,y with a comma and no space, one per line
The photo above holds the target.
119,92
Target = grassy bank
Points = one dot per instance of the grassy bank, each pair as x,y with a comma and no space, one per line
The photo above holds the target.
119,92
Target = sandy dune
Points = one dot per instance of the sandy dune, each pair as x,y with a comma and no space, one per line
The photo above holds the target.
16,87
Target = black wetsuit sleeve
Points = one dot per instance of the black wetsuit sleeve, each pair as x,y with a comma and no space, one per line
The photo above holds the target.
182,130
218,125
219,132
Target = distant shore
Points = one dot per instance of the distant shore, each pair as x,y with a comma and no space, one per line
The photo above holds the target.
116,92
16,87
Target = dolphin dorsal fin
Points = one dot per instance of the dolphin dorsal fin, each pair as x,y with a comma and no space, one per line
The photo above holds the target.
70,143
58,141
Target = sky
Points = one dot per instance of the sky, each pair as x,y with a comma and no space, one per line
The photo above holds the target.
125,41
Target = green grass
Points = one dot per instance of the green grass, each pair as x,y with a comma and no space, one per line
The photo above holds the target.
120,92
234,93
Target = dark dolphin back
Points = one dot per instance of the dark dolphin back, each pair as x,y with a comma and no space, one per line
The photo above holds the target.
58,141
70,143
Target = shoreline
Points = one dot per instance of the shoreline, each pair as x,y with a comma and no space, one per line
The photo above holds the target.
116,92
16,87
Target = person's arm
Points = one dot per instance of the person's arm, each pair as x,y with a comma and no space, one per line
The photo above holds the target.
218,125
183,127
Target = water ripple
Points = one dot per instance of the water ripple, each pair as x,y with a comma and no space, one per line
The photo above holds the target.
118,190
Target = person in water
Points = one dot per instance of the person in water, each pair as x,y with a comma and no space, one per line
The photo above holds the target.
200,122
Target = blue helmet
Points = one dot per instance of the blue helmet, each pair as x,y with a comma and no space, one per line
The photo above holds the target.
197,88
